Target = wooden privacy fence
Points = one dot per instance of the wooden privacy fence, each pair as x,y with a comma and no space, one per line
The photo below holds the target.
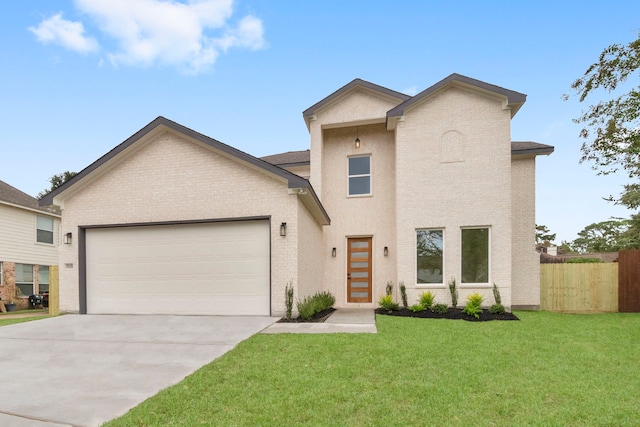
54,291
579,288
629,281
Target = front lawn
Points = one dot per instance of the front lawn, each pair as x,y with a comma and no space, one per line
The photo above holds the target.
11,321
546,369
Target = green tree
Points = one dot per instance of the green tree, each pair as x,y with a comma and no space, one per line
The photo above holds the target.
605,236
56,181
544,235
611,127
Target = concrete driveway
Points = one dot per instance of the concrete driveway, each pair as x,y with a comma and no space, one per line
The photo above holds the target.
83,370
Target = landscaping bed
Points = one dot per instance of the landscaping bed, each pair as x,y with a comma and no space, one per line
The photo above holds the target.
451,313
316,318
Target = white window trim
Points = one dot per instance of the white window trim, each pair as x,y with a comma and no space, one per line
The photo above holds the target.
489,283
442,285
53,231
1,273
370,175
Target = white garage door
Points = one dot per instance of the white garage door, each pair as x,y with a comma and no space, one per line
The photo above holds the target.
213,268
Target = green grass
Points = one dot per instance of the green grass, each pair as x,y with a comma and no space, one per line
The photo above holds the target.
4,322
548,370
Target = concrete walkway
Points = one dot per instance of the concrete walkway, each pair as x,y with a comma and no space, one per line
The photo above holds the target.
343,320
83,370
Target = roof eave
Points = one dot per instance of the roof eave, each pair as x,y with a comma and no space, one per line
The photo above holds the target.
512,100
309,113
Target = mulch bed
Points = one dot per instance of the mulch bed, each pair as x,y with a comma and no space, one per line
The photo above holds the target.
317,318
452,313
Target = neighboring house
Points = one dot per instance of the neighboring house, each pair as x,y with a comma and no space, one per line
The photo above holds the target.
417,189
29,245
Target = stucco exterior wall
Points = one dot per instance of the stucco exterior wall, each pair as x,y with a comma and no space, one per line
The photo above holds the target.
453,166
359,216
526,261
174,179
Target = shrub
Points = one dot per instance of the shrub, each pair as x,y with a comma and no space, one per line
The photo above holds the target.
474,305
324,300
496,294
309,306
288,298
389,288
426,299
454,292
306,308
417,308
497,309
582,260
388,304
440,308
403,293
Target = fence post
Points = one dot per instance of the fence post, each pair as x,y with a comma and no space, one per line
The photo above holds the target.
54,291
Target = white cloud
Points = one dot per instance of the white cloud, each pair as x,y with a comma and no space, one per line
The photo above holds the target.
65,33
189,34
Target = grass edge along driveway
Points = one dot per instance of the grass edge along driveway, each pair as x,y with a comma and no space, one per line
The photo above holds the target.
546,369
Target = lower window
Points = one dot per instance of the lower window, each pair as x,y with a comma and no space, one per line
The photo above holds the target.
429,249
475,255
24,279
43,279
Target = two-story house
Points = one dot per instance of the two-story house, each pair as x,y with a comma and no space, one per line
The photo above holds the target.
420,190
28,247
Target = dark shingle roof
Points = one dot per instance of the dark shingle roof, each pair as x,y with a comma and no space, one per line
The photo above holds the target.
351,85
294,181
304,157
529,147
12,195
289,158
514,99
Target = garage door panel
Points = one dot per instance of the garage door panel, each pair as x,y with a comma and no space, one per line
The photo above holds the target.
220,268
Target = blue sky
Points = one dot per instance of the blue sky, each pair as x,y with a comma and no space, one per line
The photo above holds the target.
81,76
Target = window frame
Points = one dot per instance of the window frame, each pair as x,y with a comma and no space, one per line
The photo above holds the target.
488,257
435,284
40,277
368,175
22,282
1,273
52,231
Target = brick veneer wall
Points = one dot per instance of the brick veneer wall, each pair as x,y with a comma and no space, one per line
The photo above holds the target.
171,178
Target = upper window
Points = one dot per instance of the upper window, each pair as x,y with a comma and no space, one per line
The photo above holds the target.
429,250
44,226
359,175
24,279
475,255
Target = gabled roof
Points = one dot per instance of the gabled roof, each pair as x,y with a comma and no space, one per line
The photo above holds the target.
12,196
514,100
294,181
356,83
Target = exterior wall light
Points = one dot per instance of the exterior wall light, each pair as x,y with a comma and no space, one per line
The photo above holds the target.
283,229
333,252
66,239
357,139
386,251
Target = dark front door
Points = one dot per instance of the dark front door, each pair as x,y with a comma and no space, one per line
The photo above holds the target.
359,270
